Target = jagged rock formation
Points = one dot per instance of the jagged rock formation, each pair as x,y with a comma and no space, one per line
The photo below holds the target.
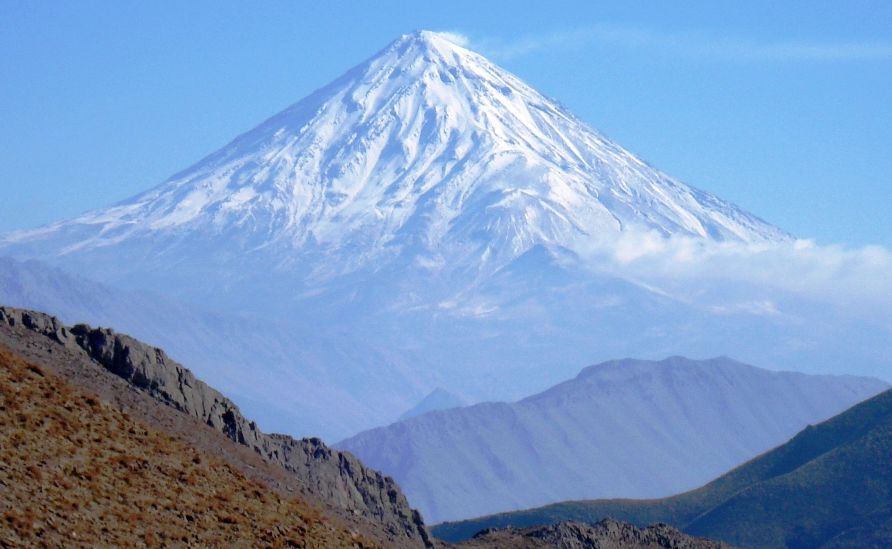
335,477
607,534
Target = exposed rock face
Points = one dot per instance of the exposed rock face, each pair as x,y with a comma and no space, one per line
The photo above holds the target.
607,534
337,478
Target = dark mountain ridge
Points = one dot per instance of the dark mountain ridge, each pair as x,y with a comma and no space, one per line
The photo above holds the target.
606,534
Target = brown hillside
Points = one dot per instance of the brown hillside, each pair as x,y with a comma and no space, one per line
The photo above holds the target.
152,388
76,471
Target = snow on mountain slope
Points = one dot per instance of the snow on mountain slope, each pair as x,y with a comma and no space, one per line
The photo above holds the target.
427,152
628,428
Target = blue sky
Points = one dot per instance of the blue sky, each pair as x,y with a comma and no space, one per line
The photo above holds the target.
784,108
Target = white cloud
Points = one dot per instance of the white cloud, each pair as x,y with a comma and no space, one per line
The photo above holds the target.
765,307
744,274
692,44
455,37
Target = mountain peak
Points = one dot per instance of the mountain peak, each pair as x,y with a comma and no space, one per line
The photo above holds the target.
419,52
426,155
438,399
434,39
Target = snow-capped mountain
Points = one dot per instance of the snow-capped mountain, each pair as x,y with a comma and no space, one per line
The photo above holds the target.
426,153
427,220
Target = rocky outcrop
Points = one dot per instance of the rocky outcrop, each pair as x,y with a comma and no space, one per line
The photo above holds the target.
337,478
607,534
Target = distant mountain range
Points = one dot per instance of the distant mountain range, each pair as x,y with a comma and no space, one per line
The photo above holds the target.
626,428
438,399
829,487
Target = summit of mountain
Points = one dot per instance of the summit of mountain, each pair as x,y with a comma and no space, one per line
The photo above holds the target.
426,157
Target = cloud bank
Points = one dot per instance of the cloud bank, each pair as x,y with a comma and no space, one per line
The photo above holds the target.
855,279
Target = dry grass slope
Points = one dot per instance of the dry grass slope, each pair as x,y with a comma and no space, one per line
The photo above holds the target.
75,471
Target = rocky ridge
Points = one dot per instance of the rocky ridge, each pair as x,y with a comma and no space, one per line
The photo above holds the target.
155,399
606,534
335,477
